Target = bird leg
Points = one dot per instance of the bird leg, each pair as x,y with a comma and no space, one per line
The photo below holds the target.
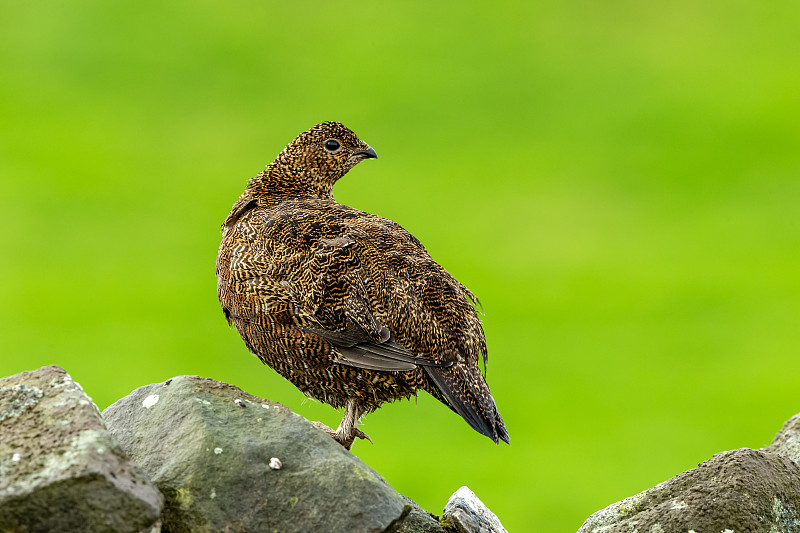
348,431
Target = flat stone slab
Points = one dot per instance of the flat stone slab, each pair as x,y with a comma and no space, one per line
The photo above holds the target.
60,470
735,491
230,461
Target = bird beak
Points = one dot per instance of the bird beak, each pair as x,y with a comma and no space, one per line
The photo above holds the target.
369,153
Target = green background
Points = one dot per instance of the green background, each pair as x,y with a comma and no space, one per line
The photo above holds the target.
618,183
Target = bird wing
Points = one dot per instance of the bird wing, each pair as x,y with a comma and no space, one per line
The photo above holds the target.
386,356
380,299
348,321
360,282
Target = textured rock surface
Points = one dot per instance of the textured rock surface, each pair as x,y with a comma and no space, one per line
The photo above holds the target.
418,520
59,468
739,490
787,441
230,461
467,514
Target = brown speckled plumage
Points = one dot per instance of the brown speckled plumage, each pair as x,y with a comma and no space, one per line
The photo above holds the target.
347,306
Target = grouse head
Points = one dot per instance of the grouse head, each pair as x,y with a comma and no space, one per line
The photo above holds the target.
314,161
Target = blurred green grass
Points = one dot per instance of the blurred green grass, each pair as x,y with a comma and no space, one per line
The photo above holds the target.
617,183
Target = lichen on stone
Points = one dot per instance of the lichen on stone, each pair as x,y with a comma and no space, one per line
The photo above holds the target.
184,498
17,400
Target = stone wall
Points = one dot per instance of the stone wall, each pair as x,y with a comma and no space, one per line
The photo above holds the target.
190,455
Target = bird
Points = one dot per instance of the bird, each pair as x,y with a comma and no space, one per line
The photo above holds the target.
346,305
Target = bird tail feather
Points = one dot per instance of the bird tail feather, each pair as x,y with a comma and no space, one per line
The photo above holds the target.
470,398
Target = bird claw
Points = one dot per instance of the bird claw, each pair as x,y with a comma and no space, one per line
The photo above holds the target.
361,435
344,440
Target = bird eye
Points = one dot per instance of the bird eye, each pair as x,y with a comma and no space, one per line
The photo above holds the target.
332,145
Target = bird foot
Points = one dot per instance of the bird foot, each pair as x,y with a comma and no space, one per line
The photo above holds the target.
339,436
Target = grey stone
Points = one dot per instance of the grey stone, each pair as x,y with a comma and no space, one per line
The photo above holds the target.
416,520
734,491
467,514
787,441
230,461
155,528
60,470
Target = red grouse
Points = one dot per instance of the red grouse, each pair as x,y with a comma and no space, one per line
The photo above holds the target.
346,305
